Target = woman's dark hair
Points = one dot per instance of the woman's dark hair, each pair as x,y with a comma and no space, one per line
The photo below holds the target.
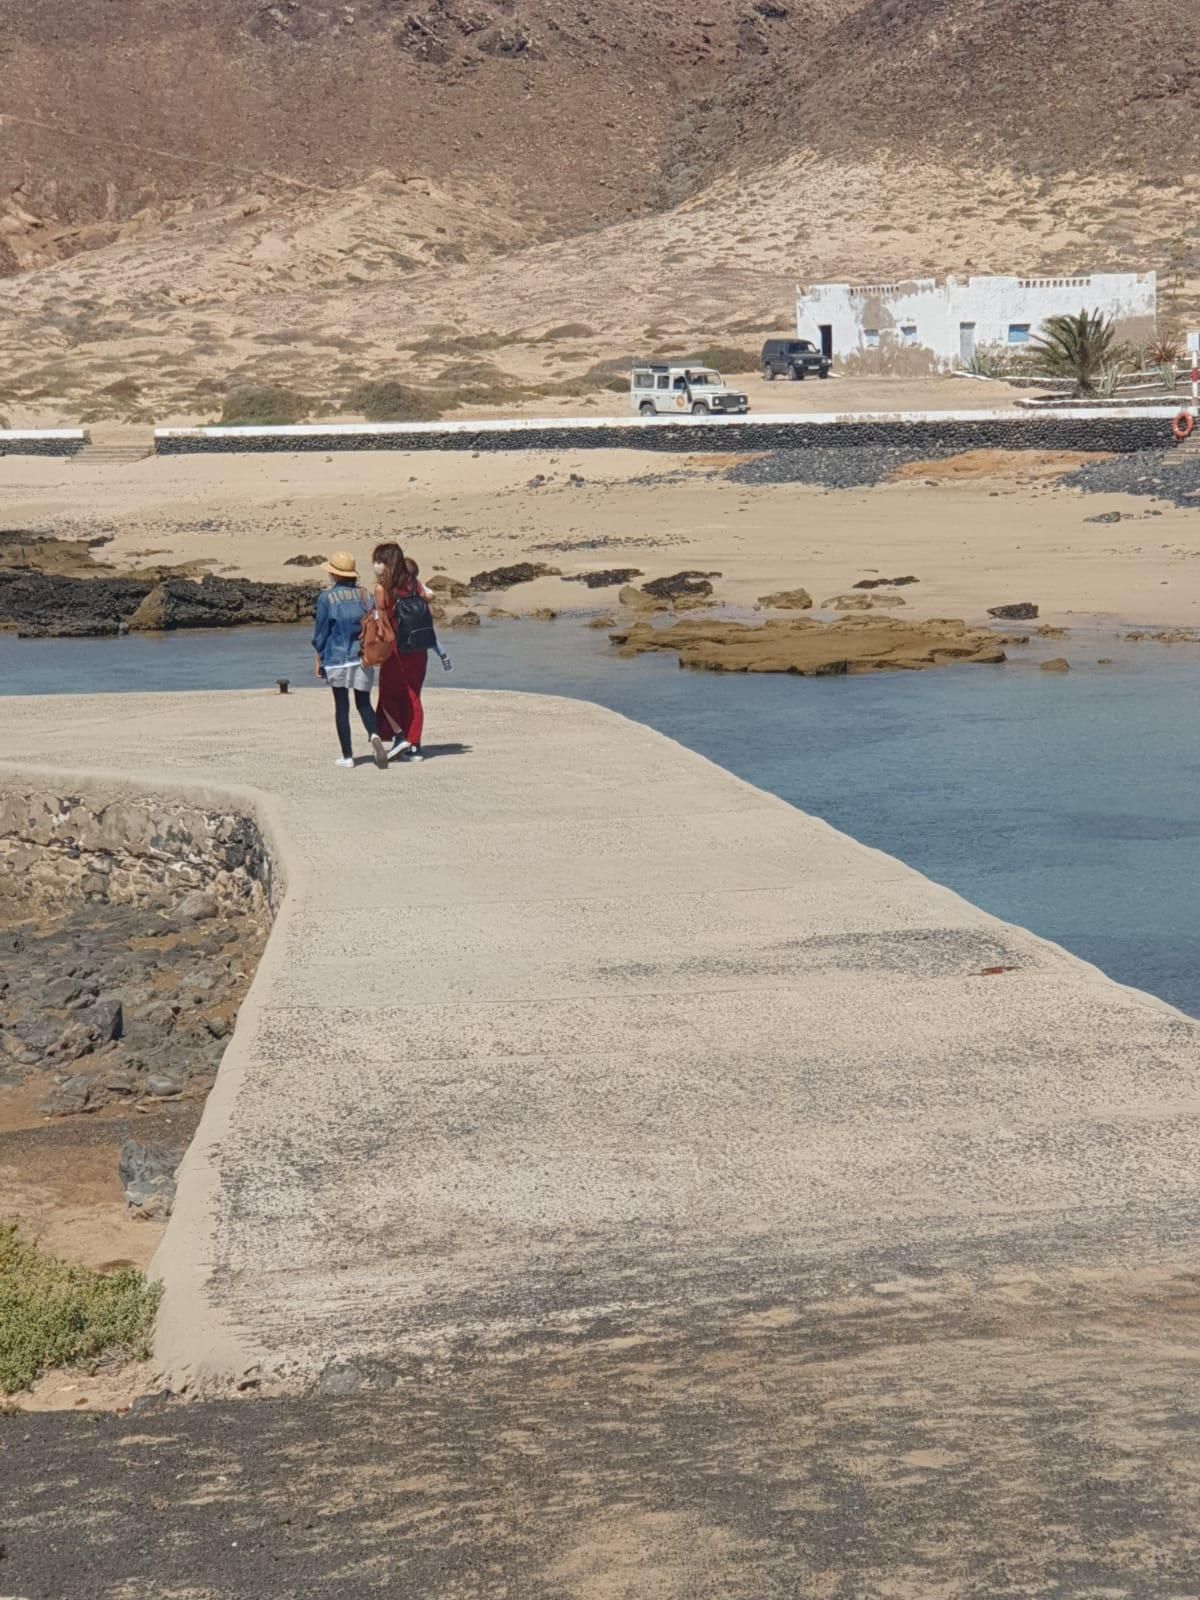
395,571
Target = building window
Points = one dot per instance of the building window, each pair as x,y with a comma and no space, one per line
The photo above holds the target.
1018,333
871,338
908,333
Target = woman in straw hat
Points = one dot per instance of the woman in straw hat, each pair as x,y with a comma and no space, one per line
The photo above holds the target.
337,640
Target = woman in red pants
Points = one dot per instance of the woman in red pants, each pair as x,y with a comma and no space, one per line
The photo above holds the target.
400,713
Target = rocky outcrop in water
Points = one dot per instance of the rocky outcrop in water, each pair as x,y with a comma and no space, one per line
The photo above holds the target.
220,603
815,649
508,577
861,602
1022,611
609,578
681,585
53,588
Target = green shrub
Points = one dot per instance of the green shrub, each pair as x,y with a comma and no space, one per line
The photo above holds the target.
248,408
726,358
565,330
1075,347
388,400
53,1314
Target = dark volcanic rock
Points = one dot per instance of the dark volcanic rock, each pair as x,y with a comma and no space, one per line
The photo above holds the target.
610,578
1157,474
42,605
883,583
1023,611
680,584
45,605
506,577
305,561
221,603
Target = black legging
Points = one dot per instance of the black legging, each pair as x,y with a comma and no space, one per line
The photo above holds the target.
341,716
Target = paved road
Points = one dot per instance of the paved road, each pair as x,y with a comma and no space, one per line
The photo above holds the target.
1018,1434
659,1197
569,1024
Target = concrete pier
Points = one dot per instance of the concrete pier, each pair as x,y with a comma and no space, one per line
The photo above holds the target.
568,1029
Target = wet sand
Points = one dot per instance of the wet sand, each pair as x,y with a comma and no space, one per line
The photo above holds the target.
1005,530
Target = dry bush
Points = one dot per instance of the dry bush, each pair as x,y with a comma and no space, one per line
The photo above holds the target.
565,330
264,407
475,372
726,358
389,400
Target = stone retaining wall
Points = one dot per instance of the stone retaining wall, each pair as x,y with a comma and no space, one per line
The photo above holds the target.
144,850
960,431
42,441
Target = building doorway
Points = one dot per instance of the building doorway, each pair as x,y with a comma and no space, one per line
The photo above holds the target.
825,329
966,342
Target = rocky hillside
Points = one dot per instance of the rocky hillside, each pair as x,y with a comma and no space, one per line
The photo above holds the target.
1044,86
117,115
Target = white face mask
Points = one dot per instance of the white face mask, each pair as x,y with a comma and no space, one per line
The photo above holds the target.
379,569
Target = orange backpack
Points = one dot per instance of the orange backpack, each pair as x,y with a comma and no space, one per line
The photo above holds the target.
378,637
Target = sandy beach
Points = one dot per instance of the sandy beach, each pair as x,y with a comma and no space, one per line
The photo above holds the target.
977,531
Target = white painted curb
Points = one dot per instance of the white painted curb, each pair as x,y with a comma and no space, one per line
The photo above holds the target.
40,435
342,430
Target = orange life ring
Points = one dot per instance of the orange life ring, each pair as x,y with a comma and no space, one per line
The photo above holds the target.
1183,426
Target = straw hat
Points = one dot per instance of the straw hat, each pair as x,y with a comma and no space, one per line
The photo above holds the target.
341,565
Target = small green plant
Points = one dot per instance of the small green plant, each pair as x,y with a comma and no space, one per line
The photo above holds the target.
53,1314
1110,379
986,364
1164,351
1076,347
264,407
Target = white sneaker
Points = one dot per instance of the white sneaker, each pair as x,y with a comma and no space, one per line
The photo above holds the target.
380,749
399,747
344,761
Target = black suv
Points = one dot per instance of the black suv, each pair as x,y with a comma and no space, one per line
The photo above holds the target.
793,358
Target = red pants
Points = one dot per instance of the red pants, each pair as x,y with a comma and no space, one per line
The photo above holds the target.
399,710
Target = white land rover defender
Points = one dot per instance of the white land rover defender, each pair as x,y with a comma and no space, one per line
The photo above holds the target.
698,391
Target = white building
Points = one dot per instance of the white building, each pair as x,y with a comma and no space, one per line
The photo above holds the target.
951,318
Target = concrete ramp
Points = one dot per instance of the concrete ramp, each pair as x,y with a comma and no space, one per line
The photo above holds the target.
568,1029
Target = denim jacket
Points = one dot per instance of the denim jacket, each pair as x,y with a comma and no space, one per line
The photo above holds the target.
338,629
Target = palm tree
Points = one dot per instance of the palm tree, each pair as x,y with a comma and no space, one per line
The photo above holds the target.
1077,347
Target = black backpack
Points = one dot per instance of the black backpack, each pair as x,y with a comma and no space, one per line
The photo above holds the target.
414,624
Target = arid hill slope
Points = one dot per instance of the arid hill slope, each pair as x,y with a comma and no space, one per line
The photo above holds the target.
564,109
320,195
1044,86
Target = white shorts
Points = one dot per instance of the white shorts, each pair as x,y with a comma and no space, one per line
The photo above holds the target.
351,676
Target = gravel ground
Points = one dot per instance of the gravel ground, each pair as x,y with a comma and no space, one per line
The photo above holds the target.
1160,474
860,468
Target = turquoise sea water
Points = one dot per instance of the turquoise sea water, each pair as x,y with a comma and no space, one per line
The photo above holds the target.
1067,803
